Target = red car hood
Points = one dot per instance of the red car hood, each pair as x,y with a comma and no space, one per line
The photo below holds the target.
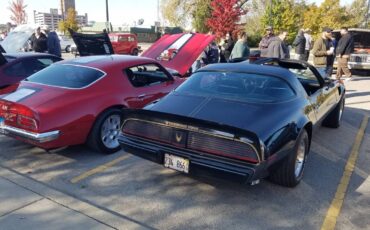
179,51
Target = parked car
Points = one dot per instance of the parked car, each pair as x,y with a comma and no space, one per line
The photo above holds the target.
18,39
81,100
237,121
360,59
18,66
66,43
124,43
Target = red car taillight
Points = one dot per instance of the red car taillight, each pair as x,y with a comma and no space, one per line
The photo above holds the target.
18,116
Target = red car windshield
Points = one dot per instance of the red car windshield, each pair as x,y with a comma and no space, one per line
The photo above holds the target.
67,76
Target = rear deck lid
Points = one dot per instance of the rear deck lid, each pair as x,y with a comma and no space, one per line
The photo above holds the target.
92,44
179,51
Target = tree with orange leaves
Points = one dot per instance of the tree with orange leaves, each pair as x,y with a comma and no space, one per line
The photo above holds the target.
18,10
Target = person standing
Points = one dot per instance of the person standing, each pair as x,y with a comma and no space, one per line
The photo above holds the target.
344,49
53,44
241,49
308,46
277,47
39,41
265,41
323,51
300,45
228,46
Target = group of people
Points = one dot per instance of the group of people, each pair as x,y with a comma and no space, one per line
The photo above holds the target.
41,43
227,50
325,49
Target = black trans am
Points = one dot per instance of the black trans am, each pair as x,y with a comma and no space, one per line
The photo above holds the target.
238,121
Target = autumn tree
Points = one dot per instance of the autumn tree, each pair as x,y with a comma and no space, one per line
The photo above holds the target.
201,13
178,12
329,14
356,13
332,14
70,22
225,16
18,12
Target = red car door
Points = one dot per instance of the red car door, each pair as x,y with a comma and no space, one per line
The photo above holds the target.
150,82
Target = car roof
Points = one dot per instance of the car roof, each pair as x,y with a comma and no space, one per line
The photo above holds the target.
105,62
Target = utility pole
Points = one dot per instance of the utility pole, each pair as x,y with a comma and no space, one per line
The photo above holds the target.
367,14
270,16
107,14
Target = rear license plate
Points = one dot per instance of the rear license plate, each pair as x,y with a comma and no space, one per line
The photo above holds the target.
176,163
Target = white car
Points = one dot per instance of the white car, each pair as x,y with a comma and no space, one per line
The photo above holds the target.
66,43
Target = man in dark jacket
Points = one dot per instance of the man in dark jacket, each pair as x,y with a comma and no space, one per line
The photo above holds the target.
53,44
228,46
344,49
265,41
39,41
277,47
300,45
323,51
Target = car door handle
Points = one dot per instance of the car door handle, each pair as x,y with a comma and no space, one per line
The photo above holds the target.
141,96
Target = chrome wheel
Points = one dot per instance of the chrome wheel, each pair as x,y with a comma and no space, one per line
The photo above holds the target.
301,154
110,131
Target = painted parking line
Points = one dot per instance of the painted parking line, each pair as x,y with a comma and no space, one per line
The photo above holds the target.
99,169
337,202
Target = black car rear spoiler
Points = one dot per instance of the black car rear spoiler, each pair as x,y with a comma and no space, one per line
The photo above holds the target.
3,60
92,44
182,121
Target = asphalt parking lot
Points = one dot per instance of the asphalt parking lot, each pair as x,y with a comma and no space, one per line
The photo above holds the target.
121,191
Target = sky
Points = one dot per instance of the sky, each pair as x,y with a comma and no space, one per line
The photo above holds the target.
120,11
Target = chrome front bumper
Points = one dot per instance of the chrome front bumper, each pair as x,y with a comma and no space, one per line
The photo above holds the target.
36,137
359,65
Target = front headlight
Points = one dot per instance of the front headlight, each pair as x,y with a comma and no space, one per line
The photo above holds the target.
368,59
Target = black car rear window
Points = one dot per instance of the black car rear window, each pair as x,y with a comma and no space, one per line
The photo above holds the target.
68,76
237,86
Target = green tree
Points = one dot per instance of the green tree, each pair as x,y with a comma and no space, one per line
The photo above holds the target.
253,21
357,13
178,12
285,15
70,22
202,12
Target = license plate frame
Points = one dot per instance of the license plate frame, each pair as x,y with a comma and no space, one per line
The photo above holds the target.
176,163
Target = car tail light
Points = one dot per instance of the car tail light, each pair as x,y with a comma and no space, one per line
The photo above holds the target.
18,116
202,142
221,146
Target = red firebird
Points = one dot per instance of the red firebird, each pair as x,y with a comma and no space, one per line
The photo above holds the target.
81,100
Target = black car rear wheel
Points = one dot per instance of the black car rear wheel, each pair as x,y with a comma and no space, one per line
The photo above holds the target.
104,134
334,118
290,171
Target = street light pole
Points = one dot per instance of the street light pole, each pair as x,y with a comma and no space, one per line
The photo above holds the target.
367,14
107,14
270,16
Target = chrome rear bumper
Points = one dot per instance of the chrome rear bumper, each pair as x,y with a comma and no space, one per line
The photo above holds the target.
37,137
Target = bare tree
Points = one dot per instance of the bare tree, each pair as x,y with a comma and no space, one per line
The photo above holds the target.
19,16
